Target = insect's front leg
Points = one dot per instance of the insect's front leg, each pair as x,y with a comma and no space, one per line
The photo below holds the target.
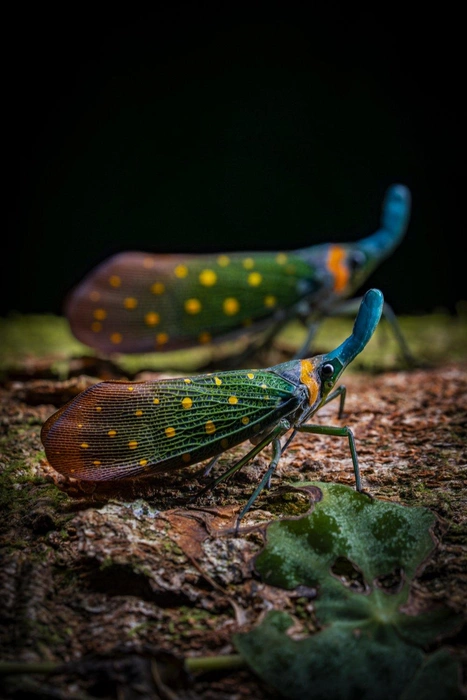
339,432
341,393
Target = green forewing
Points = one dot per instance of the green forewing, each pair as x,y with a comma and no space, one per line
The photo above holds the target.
137,302
119,429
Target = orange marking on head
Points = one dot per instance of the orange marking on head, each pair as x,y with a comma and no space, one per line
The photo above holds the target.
307,378
336,265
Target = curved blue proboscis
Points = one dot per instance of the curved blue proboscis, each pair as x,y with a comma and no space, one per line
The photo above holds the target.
395,216
365,324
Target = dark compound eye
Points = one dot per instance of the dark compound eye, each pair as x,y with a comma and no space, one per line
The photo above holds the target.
327,371
356,259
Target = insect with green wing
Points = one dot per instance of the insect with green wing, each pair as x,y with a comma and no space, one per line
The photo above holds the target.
115,430
140,302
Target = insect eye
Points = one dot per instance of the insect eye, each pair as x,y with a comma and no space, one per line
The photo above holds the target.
327,371
356,259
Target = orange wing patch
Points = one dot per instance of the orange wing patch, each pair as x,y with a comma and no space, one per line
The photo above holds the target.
338,268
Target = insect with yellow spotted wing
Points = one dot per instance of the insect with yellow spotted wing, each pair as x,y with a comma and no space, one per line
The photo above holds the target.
139,302
115,430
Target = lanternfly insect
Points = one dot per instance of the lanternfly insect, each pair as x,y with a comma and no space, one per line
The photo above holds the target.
115,430
139,302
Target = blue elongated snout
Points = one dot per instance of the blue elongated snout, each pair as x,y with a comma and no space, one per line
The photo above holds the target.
395,216
365,324
342,267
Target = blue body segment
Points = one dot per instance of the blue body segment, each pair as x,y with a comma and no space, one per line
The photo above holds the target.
364,327
394,221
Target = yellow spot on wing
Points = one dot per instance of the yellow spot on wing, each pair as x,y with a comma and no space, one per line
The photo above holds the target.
130,303
233,400
250,375
156,401
158,288
96,326
115,281
210,427
152,318
192,306
132,444
245,420
230,306
98,409
187,381
218,381
281,258
100,314
204,338
162,338
207,278
187,402
138,412
170,432
181,271
254,279
116,338
338,268
131,388
97,463
307,378
270,301
248,263
143,462
223,260
112,433
84,445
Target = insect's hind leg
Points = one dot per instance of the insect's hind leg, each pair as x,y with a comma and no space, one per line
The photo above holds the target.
265,481
282,427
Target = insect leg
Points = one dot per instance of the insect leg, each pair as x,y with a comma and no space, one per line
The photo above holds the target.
210,465
340,392
265,481
256,346
391,318
339,432
312,327
279,430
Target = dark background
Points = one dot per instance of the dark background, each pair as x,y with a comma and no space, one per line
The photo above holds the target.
182,130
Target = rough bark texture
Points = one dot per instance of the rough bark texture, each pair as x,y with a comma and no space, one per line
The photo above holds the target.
135,574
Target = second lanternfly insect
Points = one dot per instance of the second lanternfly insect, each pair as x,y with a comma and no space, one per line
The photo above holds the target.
116,430
140,302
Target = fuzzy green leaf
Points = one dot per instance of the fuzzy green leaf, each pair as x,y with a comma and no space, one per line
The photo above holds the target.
361,554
